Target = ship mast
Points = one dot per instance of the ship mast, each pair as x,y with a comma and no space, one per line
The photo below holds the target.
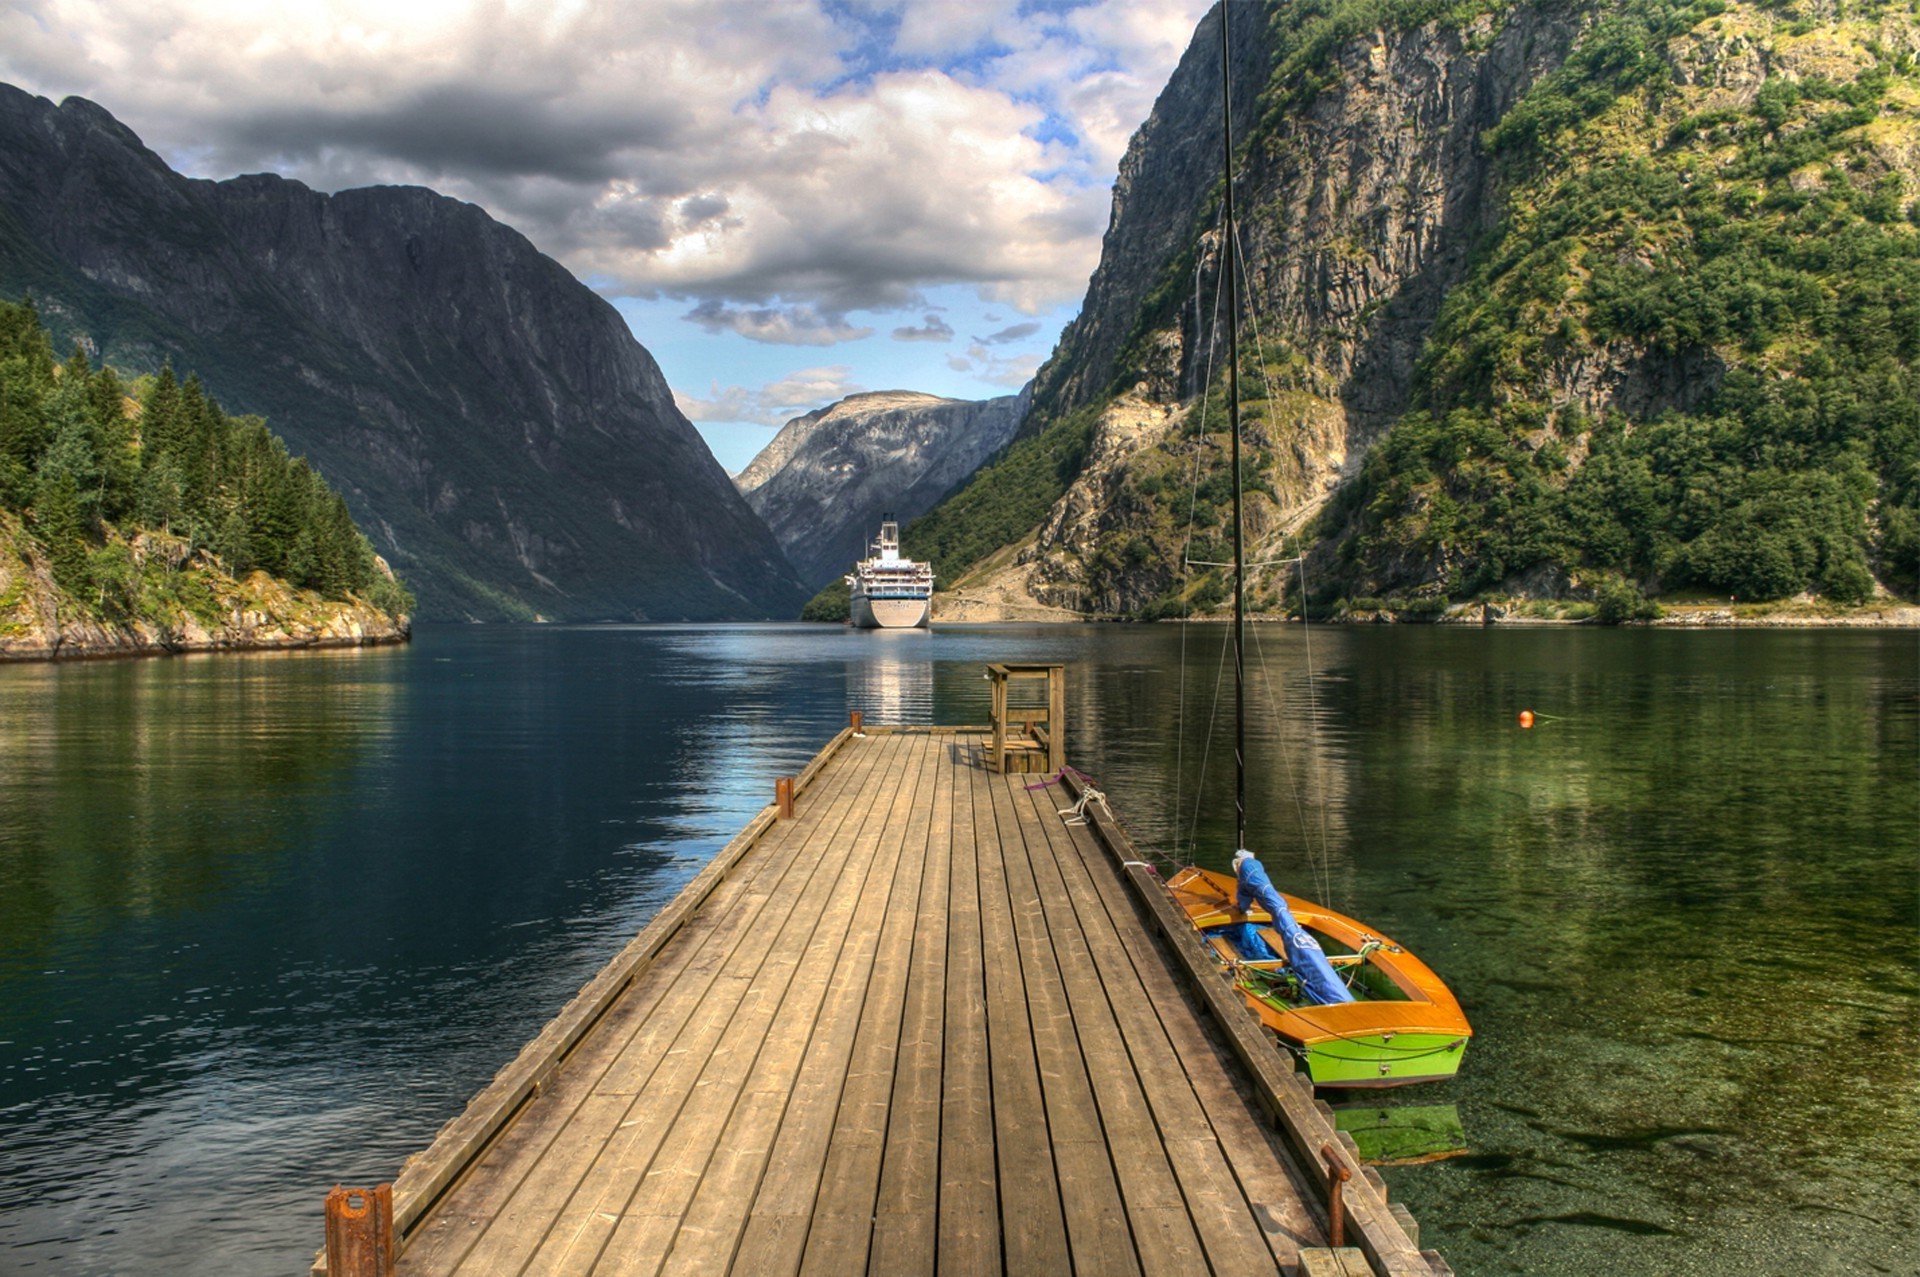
1229,254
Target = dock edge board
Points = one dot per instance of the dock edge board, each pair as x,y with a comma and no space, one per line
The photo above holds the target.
428,1176
1304,1122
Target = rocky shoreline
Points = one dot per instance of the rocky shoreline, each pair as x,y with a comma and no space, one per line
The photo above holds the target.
258,613
345,625
988,607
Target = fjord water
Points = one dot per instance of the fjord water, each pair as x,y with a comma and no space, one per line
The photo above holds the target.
267,921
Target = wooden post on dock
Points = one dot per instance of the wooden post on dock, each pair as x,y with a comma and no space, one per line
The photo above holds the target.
853,721
360,1238
1337,1175
783,796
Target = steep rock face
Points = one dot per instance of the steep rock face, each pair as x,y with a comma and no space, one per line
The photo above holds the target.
492,422
1358,213
1167,177
1604,283
827,478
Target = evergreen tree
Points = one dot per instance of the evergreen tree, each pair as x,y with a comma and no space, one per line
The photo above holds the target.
89,472
70,454
62,529
160,420
233,542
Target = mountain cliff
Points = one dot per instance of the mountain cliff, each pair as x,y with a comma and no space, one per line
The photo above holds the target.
1551,300
827,478
509,446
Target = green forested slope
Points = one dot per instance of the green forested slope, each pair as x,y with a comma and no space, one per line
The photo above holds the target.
143,500
1775,241
1679,359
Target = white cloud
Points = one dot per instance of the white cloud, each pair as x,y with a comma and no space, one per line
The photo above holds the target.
775,403
775,325
783,162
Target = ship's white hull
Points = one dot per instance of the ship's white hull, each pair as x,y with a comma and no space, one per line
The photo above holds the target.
890,614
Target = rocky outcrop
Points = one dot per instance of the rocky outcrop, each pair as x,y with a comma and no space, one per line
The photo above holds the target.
1167,179
40,621
494,426
828,478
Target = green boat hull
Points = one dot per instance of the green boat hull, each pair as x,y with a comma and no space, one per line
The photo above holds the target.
1394,1059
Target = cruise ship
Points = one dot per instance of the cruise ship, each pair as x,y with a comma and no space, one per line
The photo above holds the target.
887,592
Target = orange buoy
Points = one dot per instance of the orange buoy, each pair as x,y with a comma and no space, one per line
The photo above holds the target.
1526,718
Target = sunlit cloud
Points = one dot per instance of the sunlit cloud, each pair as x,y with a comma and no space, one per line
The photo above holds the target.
773,404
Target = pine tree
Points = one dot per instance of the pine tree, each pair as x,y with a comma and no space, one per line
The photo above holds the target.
71,454
233,542
62,529
160,420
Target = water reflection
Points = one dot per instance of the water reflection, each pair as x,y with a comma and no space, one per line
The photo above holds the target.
265,923
141,788
891,682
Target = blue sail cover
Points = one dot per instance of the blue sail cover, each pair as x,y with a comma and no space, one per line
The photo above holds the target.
1304,953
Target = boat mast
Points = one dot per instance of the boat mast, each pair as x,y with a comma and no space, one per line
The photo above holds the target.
1233,418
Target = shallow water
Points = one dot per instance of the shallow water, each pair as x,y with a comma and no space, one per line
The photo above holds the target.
267,921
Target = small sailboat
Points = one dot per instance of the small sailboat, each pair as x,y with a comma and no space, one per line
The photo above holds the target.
1402,1025
1355,1007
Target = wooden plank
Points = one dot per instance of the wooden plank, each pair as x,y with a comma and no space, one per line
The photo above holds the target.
842,1197
1032,1224
1056,718
660,1071
1096,1222
906,1218
1163,1235
969,1212
1287,1096
752,1071
921,1025
751,1208
1206,1114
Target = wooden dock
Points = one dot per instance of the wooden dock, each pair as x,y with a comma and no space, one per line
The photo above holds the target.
924,1024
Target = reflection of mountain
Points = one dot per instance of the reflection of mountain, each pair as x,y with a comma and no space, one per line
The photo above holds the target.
891,691
1166,743
151,787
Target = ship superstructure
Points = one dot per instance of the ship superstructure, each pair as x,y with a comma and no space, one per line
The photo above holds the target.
887,592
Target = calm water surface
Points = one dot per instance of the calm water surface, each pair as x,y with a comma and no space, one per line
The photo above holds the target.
267,921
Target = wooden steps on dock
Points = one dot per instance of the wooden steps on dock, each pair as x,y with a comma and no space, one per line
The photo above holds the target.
923,1025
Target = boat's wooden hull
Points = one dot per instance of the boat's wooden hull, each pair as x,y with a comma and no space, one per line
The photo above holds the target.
1410,1030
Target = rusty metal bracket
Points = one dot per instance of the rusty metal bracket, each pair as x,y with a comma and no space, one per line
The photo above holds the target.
1338,1174
360,1232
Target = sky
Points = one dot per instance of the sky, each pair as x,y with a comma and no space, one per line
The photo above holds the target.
790,201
